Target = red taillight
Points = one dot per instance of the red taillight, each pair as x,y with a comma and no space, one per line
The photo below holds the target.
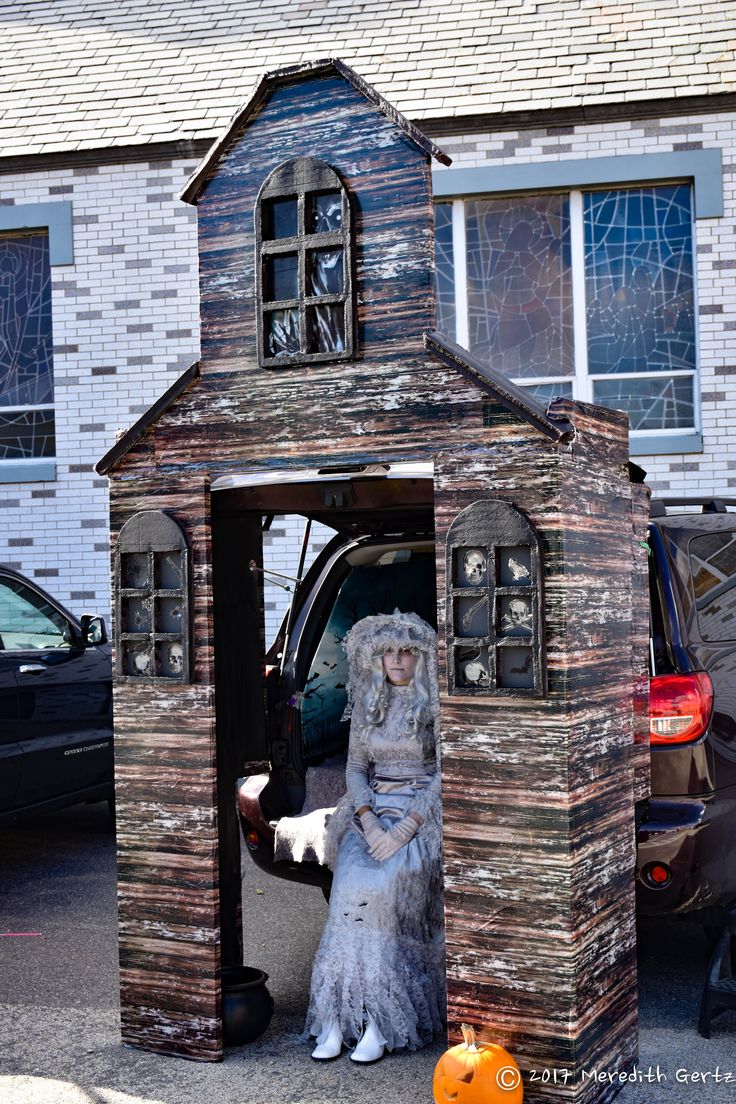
679,707
657,875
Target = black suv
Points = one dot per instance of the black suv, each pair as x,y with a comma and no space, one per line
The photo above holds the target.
686,860
382,559
56,741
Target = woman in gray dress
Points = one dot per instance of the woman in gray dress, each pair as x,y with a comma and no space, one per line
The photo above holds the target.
379,973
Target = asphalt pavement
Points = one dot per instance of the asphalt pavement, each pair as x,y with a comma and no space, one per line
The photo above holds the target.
59,1041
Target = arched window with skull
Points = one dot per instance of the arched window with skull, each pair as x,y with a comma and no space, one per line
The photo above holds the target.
152,599
494,613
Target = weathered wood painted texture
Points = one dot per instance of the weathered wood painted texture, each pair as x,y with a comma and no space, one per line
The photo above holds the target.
538,793
166,787
640,641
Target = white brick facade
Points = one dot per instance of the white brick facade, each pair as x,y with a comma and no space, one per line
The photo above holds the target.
125,321
125,325
714,470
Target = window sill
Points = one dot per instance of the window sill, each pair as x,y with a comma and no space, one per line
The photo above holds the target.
27,471
654,445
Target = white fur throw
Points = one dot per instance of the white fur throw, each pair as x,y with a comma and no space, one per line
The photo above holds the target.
302,838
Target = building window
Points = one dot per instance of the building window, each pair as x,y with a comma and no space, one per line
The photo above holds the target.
304,266
587,294
26,365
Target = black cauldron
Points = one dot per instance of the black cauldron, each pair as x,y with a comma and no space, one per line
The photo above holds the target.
247,1005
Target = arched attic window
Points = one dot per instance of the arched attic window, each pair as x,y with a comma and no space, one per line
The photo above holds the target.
304,266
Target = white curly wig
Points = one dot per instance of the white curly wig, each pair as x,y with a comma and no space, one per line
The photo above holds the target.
366,644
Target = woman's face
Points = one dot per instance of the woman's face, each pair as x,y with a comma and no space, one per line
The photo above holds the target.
399,666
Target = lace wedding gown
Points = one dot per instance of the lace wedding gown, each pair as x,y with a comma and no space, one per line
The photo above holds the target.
382,950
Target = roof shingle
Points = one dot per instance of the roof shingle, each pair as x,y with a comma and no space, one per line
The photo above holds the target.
125,72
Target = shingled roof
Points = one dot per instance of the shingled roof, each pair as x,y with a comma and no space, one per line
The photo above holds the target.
88,74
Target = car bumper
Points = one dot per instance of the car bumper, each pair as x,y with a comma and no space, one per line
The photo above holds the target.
259,838
690,838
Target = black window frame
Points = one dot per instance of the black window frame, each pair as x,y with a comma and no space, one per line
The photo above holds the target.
299,179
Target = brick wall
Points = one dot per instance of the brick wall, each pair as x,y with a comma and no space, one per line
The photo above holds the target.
125,325
125,319
713,470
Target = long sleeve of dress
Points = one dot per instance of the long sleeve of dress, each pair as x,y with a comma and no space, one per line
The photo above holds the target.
357,775
428,805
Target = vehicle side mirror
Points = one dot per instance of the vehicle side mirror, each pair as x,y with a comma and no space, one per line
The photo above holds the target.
93,631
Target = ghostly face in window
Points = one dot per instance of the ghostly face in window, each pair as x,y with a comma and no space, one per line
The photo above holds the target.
474,566
176,659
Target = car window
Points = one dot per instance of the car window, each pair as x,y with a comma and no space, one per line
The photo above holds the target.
713,570
28,621
403,579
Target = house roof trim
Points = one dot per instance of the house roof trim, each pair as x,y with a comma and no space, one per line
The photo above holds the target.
507,394
512,398
133,435
290,74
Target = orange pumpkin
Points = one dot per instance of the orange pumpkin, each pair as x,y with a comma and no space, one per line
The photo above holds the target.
477,1073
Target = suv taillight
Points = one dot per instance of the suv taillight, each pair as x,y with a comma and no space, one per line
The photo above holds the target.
679,707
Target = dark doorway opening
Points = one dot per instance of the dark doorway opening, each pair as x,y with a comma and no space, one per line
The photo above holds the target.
279,709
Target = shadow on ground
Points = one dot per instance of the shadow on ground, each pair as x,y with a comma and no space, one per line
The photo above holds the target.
59,1030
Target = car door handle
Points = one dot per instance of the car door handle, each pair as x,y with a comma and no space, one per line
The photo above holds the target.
30,668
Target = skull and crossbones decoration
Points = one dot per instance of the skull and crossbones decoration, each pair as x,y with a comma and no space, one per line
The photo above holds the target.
475,566
518,617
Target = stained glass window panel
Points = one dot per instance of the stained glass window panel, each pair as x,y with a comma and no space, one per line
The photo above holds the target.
25,434
26,367
444,270
545,392
639,279
520,285
653,403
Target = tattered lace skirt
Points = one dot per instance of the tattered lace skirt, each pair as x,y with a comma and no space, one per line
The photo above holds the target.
382,951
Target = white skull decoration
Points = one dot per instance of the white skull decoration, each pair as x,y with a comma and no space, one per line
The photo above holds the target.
474,673
176,659
474,566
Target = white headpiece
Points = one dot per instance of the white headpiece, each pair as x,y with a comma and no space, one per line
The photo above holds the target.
377,634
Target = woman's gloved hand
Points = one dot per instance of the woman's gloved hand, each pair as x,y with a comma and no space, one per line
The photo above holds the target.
394,839
372,829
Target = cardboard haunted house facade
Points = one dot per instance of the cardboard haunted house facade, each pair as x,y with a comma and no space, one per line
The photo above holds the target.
319,351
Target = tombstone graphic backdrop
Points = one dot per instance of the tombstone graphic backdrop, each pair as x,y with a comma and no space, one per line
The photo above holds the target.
319,349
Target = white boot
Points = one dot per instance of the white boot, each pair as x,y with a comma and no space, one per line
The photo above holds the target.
331,1047
371,1045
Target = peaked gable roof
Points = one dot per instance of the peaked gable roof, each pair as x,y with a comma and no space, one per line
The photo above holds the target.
512,398
290,75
